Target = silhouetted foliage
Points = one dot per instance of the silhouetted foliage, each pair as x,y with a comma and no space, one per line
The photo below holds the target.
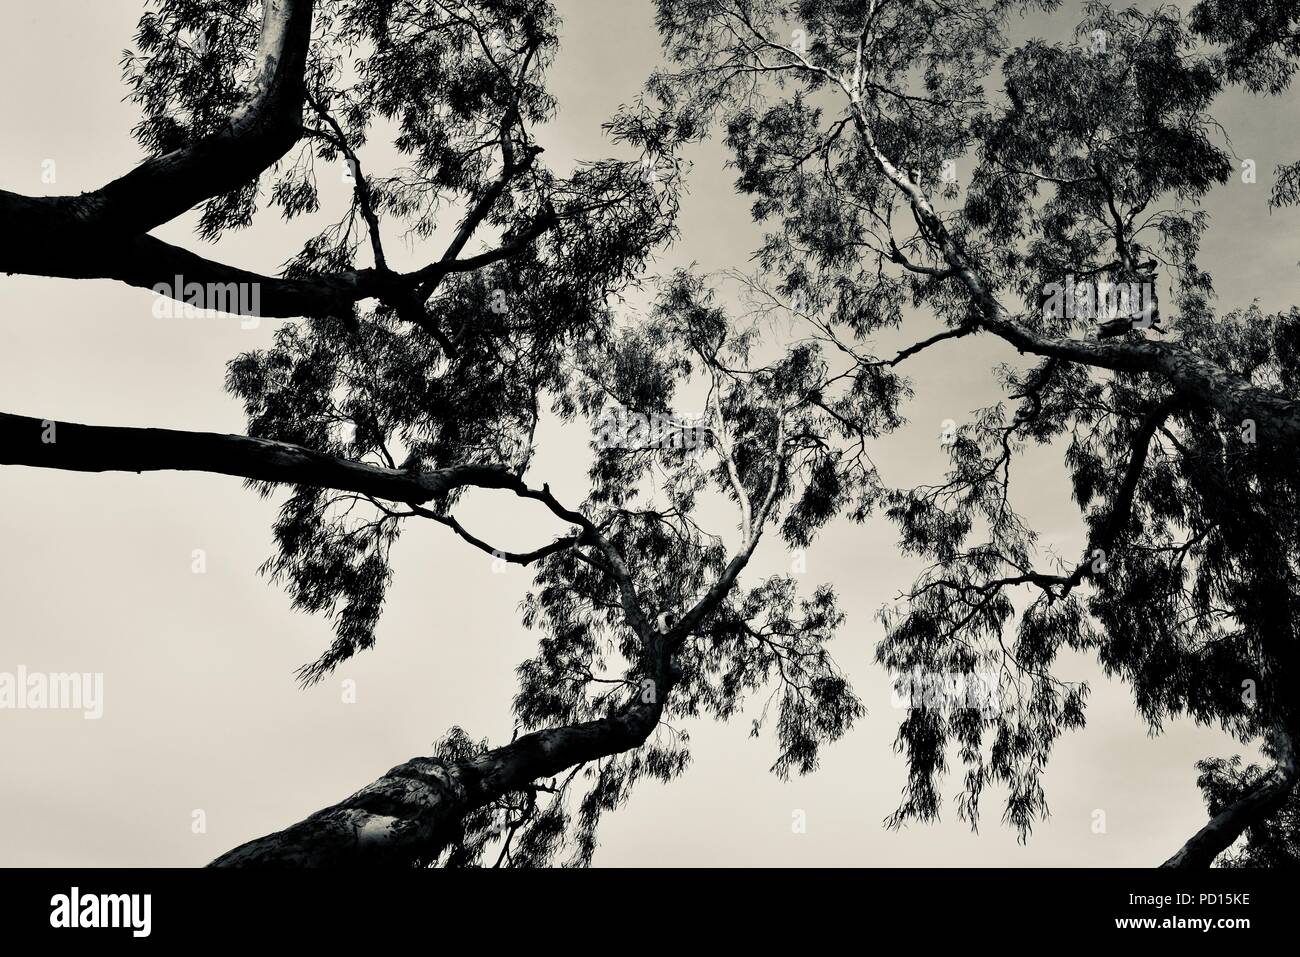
907,157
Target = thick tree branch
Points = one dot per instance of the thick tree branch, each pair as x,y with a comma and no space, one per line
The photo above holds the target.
149,263
1256,804
407,814
103,234
43,443
162,187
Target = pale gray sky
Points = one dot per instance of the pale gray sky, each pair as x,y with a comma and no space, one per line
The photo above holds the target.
201,710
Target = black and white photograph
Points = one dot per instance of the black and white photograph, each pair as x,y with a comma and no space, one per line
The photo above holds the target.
650,444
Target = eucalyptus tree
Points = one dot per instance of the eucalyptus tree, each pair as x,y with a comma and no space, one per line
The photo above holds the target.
642,615
393,390
916,169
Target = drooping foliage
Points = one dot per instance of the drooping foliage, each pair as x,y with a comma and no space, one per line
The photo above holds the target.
457,90
517,317
783,433
912,161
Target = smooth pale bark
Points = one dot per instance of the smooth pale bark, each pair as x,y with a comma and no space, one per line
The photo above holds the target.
1276,417
1252,807
408,813
44,443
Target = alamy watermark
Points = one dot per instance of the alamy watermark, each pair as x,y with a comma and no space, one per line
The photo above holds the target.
620,428
948,691
75,909
1100,300
204,300
82,691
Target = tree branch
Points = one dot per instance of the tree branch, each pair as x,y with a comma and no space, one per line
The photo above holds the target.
1253,806
1192,375
43,443
719,590
149,263
407,814
162,187
517,558
1122,504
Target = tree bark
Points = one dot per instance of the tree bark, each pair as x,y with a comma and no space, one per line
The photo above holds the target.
1253,806
44,443
407,815
1191,375
103,234
149,263
162,187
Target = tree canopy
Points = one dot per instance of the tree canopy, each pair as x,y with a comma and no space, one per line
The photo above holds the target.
915,173
1174,421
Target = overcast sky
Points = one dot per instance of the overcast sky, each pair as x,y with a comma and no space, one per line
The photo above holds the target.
201,710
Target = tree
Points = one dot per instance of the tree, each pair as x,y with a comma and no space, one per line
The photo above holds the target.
398,390
848,123
1073,239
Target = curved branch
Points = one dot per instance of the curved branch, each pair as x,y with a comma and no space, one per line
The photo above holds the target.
517,558
162,187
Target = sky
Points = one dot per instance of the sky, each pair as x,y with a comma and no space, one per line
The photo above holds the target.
206,740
